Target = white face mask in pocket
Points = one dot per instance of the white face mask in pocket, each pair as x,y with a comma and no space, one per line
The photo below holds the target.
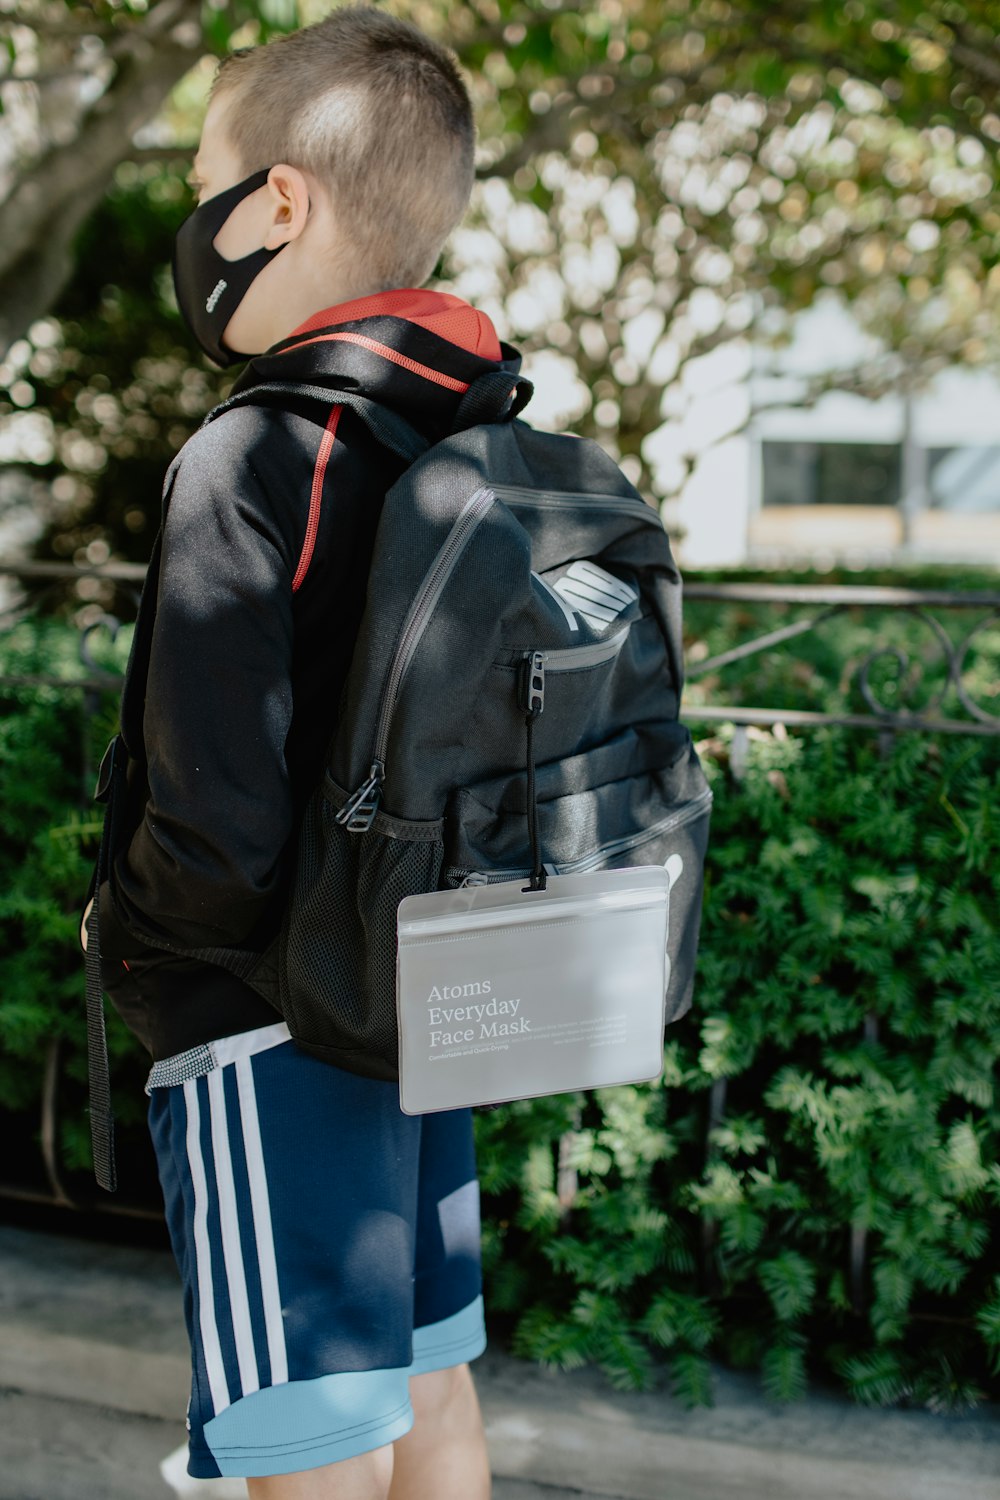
504,992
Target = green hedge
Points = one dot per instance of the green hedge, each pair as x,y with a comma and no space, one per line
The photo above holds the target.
50,829
842,888
848,993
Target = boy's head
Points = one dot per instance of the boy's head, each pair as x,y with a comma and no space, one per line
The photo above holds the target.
365,129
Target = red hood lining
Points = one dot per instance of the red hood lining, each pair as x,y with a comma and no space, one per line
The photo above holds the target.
440,312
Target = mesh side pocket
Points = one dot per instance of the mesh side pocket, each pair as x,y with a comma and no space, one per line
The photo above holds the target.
337,956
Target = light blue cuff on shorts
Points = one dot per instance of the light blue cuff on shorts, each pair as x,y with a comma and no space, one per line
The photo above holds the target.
451,1341
307,1423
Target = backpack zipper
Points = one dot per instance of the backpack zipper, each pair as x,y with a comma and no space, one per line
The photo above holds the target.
566,658
515,494
589,861
358,812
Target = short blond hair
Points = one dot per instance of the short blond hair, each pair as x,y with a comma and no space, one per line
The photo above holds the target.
379,114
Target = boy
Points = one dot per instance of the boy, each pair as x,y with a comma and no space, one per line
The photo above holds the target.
328,1244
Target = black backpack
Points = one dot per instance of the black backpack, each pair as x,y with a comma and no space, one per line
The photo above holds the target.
511,710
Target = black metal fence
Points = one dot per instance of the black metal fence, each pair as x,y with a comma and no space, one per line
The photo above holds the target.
104,594
827,602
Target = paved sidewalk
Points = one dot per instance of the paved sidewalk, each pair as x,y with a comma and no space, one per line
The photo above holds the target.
93,1384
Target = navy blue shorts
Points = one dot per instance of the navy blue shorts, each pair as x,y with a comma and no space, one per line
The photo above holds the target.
328,1246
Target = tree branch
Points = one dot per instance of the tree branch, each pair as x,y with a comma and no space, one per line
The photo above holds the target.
551,133
966,48
48,204
923,117
493,33
50,75
978,63
63,31
142,154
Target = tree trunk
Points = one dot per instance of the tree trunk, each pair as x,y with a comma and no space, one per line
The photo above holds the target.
41,216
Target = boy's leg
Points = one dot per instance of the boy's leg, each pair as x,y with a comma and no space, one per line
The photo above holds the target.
444,1455
365,1477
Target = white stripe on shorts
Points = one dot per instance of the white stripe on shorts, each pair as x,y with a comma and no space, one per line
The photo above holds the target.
227,1049
266,1261
232,1249
197,1061
203,1255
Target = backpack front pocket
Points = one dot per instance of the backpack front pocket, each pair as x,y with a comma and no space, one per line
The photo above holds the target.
593,808
588,687
638,799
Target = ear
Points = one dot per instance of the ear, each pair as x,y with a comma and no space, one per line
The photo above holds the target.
289,202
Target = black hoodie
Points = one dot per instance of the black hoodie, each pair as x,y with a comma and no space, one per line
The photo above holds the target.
270,521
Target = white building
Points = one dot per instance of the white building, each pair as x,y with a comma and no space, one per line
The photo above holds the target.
847,480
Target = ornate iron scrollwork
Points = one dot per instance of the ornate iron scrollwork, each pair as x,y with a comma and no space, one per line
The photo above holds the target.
113,626
931,715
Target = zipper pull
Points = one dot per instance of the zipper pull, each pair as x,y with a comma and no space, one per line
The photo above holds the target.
533,694
474,877
358,812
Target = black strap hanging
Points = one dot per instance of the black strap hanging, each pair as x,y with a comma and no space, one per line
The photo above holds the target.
102,1120
534,701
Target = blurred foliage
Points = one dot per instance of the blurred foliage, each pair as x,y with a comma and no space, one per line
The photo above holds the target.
655,179
847,999
51,739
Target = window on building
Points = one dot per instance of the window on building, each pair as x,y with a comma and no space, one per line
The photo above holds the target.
964,479
832,473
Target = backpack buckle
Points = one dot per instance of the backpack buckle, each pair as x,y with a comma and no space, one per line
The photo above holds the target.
358,813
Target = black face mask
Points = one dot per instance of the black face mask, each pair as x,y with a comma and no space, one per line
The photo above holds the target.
210,288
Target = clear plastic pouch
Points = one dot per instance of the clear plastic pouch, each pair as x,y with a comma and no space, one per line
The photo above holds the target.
503,992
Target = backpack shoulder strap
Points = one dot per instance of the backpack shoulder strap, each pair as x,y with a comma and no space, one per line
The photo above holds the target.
493,397
496,396
387,427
